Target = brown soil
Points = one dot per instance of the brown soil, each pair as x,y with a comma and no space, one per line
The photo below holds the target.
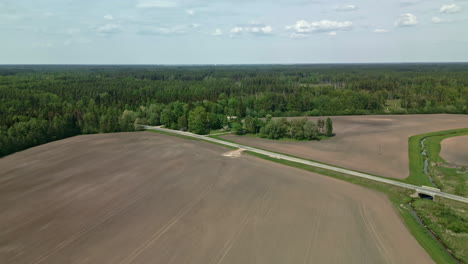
455,150
373,144
149,198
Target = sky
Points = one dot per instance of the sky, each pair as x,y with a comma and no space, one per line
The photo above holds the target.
232,31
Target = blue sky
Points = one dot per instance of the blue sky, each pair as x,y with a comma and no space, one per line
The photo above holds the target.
232,31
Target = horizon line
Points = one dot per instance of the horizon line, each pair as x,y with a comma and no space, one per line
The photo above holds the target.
222,64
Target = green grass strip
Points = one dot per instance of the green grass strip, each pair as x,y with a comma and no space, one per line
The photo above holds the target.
416,160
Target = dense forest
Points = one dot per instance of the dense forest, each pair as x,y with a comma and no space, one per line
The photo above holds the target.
39,104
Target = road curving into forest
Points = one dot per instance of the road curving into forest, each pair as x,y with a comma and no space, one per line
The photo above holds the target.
418,189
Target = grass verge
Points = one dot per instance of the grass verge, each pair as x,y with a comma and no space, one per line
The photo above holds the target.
448,220
448,179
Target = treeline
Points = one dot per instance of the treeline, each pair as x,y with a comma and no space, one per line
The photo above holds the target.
279,128
39,104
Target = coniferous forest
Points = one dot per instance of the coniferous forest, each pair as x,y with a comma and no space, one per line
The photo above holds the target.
39,104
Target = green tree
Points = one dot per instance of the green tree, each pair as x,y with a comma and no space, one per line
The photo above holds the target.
258,124
314,112
214,121
56,129
250,125
237,128
296,129
275,129
127,120
167,117
329,128
138,125
197,121
182,123
240,109
104,124
90,123
320,125
153,114
310,130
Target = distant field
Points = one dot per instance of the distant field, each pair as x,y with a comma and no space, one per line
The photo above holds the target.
150,198
376,144
455,150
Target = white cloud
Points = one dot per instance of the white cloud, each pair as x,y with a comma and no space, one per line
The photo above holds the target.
217,32
108,17
332,33
380,30
264,29
109,29
438,20
406,20
156,4
304,27
237,30
190,12
169,30
255,29
453,8
295,35
346,8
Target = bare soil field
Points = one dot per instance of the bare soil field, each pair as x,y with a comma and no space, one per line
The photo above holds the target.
455,150
373,144
150,198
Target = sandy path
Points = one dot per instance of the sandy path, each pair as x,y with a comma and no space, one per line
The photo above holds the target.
149,198
373,144
455,150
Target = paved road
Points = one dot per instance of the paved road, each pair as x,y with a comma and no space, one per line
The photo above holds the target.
318,165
